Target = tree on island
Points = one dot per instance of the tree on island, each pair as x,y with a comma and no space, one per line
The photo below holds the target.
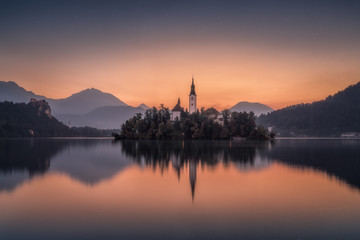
156,124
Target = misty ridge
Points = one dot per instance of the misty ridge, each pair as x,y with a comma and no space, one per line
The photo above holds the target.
94,108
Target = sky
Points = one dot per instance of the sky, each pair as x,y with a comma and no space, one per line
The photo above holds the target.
278,53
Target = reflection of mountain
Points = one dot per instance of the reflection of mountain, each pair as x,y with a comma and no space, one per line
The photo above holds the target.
89,161
259,163
339,158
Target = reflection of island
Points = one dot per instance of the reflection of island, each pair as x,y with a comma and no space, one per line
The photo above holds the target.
192,153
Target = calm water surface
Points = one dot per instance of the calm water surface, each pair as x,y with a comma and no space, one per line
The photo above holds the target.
100,189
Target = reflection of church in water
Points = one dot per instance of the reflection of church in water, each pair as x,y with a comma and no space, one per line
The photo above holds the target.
177,165
185,157
176,115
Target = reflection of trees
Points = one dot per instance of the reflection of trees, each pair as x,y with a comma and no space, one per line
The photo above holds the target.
32,155
334,157
161,153
26,155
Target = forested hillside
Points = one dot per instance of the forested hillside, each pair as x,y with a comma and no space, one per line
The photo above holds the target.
330,117
35,120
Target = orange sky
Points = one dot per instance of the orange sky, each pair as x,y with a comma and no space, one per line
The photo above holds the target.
224,74
276,54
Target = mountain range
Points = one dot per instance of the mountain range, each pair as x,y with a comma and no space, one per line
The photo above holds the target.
78,103
110,117
84,102
92,107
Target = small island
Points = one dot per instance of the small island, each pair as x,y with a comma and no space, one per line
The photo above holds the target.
161,123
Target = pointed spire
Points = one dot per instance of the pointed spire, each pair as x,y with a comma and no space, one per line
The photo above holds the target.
192,92
179,101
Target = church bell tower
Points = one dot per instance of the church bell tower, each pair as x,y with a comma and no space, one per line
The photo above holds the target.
192,98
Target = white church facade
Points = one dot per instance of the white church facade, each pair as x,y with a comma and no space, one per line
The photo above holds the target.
176,112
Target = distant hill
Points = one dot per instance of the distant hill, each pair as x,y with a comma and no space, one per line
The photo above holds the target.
330,117
90,107
34,119
84,102
10,91
143,106
103,117
257,108
78,103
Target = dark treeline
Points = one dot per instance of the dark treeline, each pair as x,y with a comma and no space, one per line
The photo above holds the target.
335,115
34,120
156,124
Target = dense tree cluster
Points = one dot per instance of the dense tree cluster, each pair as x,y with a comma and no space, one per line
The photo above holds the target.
32,120
156,124
330,117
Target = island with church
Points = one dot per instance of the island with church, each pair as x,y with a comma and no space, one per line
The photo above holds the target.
180,123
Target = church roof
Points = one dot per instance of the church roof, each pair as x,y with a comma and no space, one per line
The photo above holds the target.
177,107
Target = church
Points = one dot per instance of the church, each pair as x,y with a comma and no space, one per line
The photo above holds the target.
176,111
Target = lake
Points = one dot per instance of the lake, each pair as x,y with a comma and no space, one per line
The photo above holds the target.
101,189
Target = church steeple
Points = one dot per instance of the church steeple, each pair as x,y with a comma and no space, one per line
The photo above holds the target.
192,98
192,92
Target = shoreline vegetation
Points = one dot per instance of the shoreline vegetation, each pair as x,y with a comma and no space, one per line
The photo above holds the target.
156,124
